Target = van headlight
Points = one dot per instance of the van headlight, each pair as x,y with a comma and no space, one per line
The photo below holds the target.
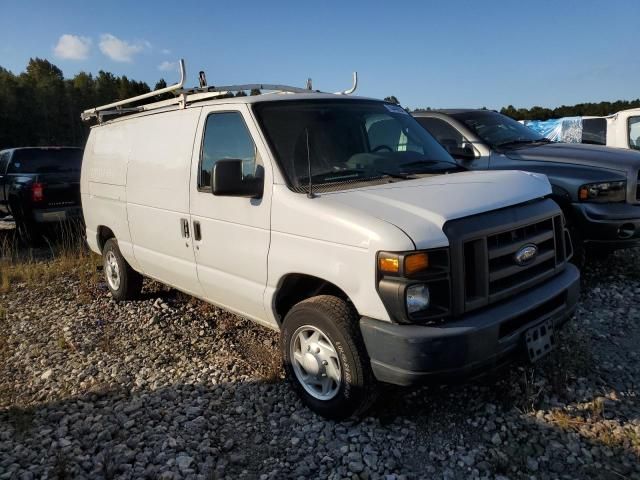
415,286
603,192
417,298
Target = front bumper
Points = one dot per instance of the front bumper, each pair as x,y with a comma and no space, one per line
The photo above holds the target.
616,225
59,214
413,354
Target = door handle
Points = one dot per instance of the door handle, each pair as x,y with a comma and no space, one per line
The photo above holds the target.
197,232
184,227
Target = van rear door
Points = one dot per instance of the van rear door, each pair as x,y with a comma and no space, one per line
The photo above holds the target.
231,233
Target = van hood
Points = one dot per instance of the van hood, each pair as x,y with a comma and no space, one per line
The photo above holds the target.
579,154
421,207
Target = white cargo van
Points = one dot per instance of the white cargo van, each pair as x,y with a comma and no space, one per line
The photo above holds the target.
338,221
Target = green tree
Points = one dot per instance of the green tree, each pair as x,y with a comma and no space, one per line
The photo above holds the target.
392,99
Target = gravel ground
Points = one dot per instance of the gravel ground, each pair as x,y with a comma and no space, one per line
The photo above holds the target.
168,387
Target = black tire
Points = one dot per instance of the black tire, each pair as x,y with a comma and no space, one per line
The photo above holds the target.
338,321
129,284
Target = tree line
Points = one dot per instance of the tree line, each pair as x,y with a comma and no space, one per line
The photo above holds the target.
40,107
600,109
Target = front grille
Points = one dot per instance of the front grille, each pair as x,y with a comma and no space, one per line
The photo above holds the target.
485,252
504,272
505,275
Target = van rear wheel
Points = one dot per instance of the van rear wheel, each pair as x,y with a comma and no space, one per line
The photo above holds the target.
325,358
123,281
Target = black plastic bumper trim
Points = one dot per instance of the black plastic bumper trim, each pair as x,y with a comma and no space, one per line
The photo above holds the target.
412,354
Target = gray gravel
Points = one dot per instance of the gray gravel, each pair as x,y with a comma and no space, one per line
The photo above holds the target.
168,387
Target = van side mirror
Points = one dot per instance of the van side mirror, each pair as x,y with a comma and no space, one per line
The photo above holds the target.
461,153
227,181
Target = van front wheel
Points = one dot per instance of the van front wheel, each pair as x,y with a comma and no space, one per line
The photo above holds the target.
123,281
325,358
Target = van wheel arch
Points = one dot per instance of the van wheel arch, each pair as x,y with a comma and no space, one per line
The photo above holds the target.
295,287
104,233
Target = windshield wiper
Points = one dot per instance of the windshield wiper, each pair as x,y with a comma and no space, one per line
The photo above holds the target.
418,163
348,173
428,163
402,175
523,142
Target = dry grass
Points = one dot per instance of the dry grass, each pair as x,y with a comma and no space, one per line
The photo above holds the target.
65,255
626,438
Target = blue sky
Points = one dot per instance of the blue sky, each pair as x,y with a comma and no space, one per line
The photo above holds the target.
454,53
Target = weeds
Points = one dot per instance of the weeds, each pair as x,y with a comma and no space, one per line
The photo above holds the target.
531,391
65,255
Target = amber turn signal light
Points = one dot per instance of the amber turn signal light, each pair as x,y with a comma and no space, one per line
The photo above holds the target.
584,193
388,264
416,263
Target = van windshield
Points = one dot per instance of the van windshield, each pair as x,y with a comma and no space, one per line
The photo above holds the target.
346,142
46,160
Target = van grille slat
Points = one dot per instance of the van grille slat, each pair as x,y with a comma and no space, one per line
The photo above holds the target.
512,247
515,269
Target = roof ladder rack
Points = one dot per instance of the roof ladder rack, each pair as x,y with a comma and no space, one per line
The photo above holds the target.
184,96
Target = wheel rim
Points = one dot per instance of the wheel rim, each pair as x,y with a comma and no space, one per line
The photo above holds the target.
112,270
315,362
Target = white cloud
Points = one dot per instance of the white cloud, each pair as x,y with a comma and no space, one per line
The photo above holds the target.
165,51
168,66
72,47
121,50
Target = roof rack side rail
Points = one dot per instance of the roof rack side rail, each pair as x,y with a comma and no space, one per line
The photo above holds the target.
247,86
93,112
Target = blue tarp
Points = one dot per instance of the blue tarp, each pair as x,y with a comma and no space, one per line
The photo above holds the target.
566,129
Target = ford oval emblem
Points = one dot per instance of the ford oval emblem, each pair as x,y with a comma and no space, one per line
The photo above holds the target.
526,254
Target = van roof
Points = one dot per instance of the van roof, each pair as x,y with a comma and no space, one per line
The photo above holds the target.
172,105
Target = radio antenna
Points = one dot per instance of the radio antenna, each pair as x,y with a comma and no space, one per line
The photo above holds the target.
310,192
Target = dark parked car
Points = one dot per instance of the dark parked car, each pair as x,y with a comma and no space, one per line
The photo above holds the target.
40,185
597,187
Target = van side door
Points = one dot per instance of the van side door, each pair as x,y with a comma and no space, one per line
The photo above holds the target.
231,234
157,196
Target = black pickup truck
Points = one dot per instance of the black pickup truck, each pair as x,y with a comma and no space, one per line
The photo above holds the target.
40,185
598,188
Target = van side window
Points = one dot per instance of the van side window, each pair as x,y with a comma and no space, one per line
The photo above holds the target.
226,137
